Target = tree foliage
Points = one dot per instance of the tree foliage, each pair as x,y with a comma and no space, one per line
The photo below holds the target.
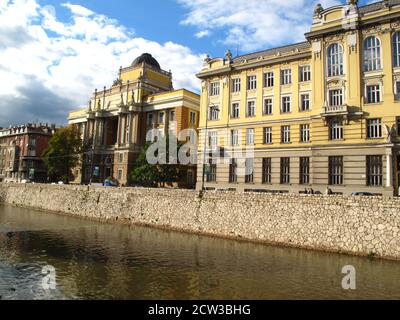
63,153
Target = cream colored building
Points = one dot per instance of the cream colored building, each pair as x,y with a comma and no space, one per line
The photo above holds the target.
115,124
323,112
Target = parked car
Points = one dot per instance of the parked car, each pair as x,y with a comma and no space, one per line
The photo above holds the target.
110,183
362,194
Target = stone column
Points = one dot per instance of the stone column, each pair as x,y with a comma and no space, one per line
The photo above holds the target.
129,128
119,130
389,174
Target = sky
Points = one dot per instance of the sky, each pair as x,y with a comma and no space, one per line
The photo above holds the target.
53,54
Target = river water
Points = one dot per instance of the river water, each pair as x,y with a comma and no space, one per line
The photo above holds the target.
103,261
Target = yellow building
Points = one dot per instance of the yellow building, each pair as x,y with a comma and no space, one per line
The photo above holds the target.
324,112
115,124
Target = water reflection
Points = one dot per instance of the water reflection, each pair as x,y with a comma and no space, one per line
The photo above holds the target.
103,261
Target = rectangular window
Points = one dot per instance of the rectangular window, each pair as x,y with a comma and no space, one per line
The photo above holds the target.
32,142
305,133
172,116
285,170
267,171
31,153
305,102
192,117
268,135
268,80
336,130
286,104
286,76
249,170
149,119
121,157
250,137
285,134
120,173
251,108
212,172
374,171
305,73
213,139
234,138
268,106
374,128
373,94
213,113
233,171
336,97
214,88
235,110
161,117
251,82
335,170
236,85
304,170
397,91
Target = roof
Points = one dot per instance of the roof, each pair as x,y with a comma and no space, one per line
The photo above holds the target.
269,52
148,59
377,6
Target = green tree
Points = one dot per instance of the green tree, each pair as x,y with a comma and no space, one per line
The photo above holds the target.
63,153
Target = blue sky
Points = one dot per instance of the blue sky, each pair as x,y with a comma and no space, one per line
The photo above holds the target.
53,54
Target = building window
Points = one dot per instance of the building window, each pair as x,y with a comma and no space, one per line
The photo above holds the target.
267,171
374,128
268,135
121,157
286,104
172,115
161,117
285,134
249,170
212,172
336,130
305,102
305,133
250,137
336,97
213,113
214,88
335,60
268,106
304,170
149,119
373,93
233,171
31,153
285,170
305,73
120,173
235,110
193,118
236,85
335,170
213,139
396,49
398,126
286,76
397,91
32,142
372,54
268,80
251,82
235,138
374,171
251,108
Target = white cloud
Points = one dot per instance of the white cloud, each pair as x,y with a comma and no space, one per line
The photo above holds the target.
253,24
48,67
202,34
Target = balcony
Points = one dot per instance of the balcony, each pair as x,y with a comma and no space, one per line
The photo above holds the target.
335,110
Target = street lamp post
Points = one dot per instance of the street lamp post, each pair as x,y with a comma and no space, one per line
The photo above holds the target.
209,108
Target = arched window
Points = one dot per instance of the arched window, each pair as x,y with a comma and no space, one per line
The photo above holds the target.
372,54
335,60
396,49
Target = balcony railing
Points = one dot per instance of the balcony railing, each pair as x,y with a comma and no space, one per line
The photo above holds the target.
335,109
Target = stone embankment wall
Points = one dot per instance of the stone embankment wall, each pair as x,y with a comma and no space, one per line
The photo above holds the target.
362,226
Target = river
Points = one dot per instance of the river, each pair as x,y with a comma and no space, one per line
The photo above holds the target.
94,260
